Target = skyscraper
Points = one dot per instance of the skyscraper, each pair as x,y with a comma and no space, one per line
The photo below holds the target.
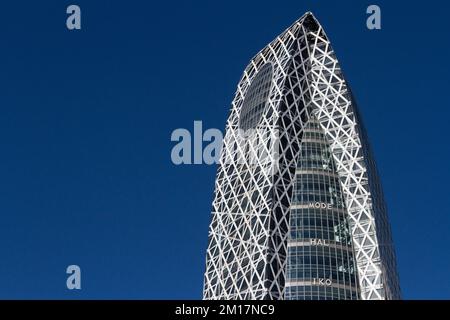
298,209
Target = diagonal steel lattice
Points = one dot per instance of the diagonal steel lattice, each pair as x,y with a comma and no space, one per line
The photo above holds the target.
248,234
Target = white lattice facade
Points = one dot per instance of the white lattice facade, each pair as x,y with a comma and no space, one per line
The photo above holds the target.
295,84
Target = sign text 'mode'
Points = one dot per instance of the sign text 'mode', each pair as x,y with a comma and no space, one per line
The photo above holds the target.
320,205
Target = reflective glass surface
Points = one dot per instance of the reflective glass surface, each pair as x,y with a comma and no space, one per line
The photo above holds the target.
320,264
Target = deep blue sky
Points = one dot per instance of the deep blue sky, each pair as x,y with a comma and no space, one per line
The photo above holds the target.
86,117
